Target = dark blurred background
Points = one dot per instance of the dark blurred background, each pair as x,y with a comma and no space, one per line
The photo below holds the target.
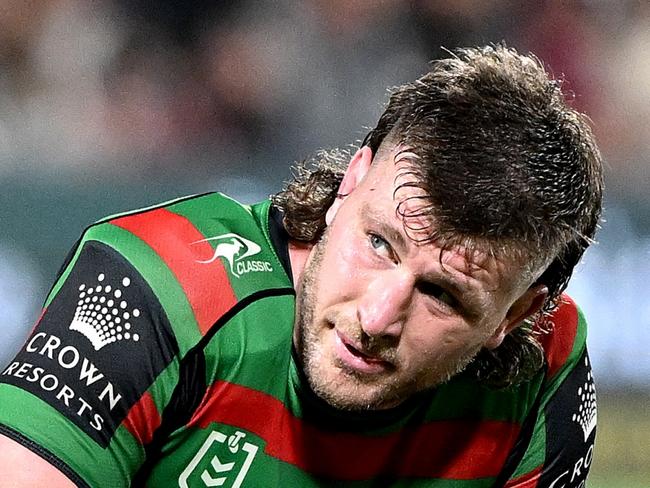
110,105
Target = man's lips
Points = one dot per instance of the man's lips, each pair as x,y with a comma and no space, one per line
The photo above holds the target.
351,355
365,357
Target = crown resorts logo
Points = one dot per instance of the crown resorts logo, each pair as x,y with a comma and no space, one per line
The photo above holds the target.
586,417
236,250
103,315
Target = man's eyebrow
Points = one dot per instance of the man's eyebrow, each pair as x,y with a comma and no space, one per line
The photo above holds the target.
468,296
384,228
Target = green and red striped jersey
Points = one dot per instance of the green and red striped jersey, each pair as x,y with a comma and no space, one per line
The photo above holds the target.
163,357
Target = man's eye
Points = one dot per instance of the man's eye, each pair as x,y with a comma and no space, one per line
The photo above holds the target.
438,293
380,245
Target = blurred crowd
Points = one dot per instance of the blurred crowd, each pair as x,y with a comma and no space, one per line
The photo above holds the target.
101,80
148,88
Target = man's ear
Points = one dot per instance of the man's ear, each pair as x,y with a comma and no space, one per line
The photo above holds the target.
357,169
526,305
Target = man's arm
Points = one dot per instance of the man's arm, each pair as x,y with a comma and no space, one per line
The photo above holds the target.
88,389
22,468
77,393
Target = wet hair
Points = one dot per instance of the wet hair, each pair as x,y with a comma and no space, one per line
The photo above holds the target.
501,164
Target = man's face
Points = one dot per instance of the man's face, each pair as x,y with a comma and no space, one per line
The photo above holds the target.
380,316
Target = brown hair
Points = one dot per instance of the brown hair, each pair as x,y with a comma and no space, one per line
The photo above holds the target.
505,164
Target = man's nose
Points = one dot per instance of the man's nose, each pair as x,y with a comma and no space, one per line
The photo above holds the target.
383,307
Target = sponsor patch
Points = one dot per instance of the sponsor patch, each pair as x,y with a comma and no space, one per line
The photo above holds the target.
103,316
571,429
586,416
99,345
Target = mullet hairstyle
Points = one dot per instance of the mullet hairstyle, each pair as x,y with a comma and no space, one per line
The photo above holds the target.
501,162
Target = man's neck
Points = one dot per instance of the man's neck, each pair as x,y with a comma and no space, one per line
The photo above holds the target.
298,255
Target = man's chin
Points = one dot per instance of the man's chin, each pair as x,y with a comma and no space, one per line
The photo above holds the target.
349,392
354,403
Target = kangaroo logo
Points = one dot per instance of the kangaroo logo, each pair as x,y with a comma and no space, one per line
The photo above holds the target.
233,248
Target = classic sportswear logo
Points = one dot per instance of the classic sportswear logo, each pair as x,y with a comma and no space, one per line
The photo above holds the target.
586,415
236,250
103,315
221,461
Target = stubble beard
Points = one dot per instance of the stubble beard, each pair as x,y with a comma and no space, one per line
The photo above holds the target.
339,388
345,389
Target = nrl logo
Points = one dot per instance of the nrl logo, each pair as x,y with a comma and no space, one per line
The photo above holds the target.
236,250
215,466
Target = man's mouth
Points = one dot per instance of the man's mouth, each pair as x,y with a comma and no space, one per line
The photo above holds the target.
358,353
352,357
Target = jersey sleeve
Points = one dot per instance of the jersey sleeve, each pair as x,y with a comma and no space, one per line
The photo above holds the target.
87,390
560,450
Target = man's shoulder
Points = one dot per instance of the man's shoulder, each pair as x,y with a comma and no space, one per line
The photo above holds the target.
182,213
564,337
199,255
191,231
